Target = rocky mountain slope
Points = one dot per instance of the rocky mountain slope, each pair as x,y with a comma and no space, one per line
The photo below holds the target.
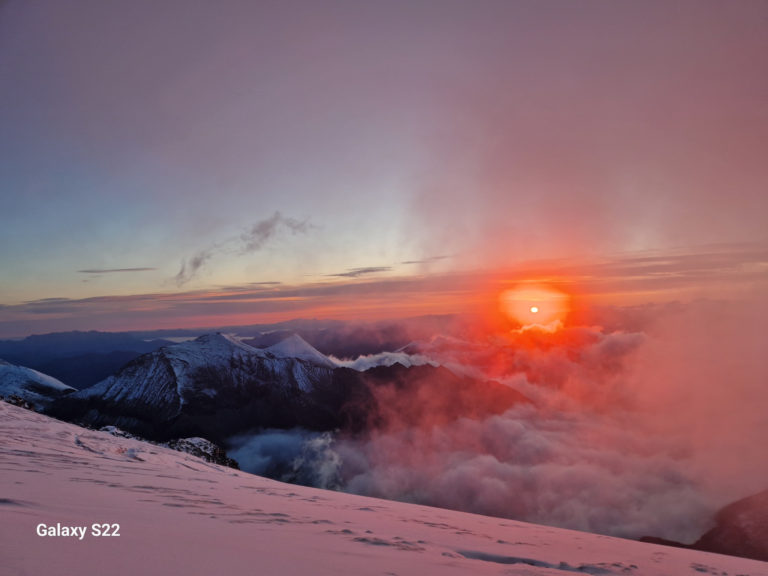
211,387
741,529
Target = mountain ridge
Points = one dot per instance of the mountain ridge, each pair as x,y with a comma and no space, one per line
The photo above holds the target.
35,387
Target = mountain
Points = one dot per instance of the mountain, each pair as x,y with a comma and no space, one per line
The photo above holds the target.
35,387
217,386
79,359
741,529
294,346
172,513
427,396
212,387
62,344
350,339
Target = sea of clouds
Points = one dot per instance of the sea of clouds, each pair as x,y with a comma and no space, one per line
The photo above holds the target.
630,432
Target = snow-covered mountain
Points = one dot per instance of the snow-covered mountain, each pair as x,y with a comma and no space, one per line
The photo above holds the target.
294,346
172,513
217,386
35,387
212,386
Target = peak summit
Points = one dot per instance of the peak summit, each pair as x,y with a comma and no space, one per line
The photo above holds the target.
216,341
218,337
294,346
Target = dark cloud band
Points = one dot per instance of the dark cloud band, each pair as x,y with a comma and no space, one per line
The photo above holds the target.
111,270
357,272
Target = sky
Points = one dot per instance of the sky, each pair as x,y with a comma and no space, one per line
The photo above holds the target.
170,164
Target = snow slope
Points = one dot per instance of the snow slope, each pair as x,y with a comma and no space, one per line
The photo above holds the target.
35,387
180,515
294,346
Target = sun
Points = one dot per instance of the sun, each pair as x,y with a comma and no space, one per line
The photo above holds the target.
535,305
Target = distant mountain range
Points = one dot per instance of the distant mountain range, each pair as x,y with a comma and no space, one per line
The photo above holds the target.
82,359
79,359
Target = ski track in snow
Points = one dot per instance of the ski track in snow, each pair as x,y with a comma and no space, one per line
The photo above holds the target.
181,515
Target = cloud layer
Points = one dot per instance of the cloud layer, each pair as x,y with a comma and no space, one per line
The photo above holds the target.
112,270
729,272
630,433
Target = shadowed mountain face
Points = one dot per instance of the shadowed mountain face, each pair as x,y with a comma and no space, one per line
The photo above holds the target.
741,529
210,387
427,396
217,386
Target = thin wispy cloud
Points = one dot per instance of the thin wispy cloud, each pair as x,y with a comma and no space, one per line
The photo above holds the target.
426,260
262,231
111,270
403,296
357,272
190,268
48,300
250,241
248,286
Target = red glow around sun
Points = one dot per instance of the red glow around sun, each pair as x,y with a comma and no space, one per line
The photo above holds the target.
535,306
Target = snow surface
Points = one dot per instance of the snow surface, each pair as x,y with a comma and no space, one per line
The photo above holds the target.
29,384
181,515
207,350
294,346
210,349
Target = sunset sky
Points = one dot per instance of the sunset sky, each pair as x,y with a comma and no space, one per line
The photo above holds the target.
170,164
